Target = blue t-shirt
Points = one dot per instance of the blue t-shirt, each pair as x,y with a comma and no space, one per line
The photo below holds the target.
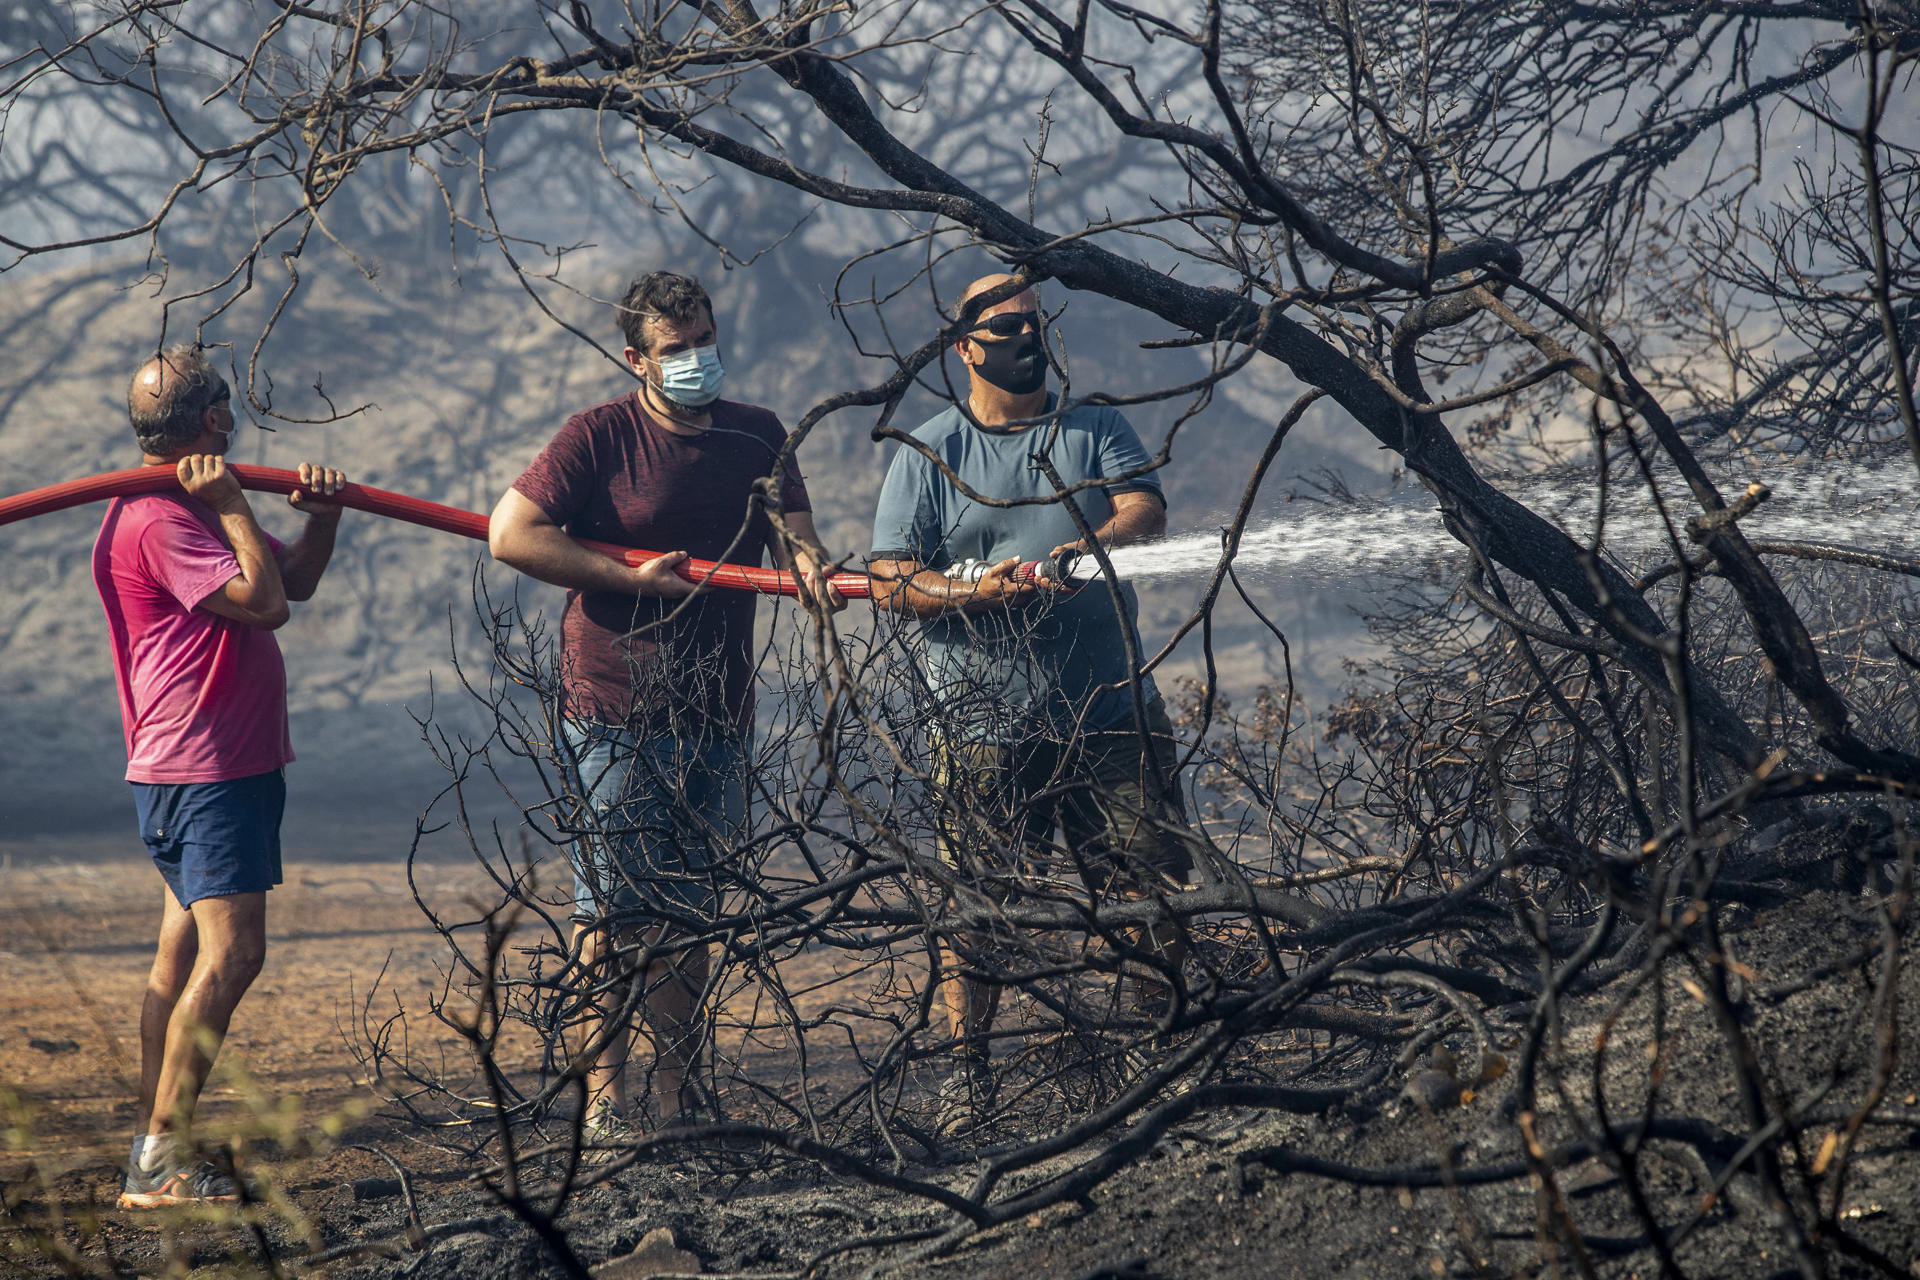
1003,674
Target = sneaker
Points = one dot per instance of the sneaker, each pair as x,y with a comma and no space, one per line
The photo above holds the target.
605,1123
606,1134
698,1107
965,1101
170,1187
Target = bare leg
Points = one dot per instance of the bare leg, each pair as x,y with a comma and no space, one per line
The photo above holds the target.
231,942
673,1011
172,966
970,1005
607,1077
674,986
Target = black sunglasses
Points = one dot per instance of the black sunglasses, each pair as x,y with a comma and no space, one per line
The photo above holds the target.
1009,324
222,395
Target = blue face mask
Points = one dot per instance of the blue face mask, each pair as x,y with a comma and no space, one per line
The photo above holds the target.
691,379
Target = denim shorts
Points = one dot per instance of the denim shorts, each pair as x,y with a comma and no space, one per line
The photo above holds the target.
214,839
662,819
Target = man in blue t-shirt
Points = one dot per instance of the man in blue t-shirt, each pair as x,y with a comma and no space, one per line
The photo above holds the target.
1028,682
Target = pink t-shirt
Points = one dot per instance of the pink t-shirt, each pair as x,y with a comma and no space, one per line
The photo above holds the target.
202,698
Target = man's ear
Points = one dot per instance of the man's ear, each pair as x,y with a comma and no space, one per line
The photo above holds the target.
633,357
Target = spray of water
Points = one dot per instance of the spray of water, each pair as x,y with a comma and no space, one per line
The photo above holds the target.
1349,542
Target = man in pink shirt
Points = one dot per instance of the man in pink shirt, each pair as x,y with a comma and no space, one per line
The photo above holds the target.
193,591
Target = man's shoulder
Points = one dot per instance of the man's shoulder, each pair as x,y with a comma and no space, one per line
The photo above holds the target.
939,435
149,506
1097,419
622,415
148,538
942,426
736,418
1107,434
743,416
146,516
608,414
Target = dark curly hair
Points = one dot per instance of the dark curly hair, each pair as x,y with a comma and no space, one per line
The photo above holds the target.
661,295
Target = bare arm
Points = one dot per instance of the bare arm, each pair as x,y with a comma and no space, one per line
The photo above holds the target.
521,535
809,560
254,596
304,559
1138,514
906,587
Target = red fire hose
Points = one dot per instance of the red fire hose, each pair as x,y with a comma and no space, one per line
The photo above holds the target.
381,502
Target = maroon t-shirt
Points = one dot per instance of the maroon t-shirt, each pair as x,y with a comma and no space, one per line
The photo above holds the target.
616,475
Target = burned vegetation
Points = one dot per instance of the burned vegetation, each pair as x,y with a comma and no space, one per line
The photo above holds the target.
1472,944
1574,939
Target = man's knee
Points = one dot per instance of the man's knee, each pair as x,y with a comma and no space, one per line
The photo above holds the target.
169,977
238,962
233,937
172,967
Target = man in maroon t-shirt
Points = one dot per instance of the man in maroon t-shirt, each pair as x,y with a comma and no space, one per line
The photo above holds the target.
656,687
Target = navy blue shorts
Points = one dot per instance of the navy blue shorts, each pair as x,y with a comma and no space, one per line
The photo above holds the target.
214,839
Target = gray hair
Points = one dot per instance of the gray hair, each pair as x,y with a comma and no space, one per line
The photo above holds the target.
172,418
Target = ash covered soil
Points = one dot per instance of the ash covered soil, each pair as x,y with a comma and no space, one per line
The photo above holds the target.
1427,1185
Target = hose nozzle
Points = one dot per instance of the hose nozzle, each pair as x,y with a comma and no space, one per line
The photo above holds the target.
1060,569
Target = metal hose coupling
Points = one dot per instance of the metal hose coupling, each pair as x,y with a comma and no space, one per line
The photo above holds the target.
1059,570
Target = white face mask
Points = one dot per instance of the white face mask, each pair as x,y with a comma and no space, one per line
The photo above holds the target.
692,378
233,423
